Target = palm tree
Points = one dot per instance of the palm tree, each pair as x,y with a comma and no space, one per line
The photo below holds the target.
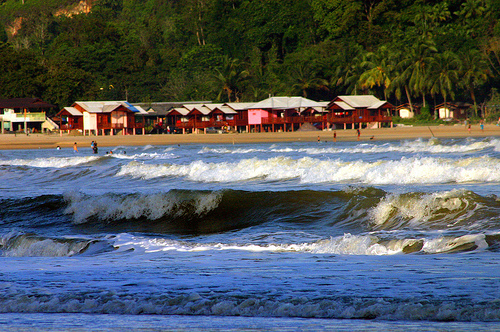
305,78
417,66
349,75
444,75
230,77
379,71
473,71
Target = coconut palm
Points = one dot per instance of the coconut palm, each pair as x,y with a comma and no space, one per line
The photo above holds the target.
417,65
474,71
230,76
305,78
443,76
379,70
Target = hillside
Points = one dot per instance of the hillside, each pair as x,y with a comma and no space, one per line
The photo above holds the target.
228,50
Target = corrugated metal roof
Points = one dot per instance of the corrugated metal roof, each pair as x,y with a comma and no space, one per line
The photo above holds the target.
377,105
285,103
344,106
364,101
240,106
29,103
191,107
98,106
181,110
222,107
135,109
108,106
73,111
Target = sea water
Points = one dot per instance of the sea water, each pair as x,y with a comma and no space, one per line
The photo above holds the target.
389,235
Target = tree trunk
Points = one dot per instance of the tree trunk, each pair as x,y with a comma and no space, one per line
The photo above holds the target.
408,96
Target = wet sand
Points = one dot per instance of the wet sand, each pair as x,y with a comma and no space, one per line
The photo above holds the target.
51,141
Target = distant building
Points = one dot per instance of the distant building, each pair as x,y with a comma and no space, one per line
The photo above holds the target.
355,110
280,113
408,111
23,114
453,110
103,117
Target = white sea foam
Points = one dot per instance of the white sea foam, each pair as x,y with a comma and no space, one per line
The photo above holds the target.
202,303
396,211
347,244
153,207
51,162
311,170
144,156
432,146
20,245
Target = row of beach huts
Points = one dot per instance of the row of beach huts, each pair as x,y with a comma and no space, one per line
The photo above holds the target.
271,115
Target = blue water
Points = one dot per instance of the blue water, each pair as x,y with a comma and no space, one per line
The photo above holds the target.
393,235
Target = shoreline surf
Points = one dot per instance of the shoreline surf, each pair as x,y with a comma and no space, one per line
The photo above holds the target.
51,141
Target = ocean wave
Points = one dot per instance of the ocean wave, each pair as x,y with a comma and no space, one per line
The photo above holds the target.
354,210
433,146
50,162
441,210
348,244
415,170
112,207
30,245
122,302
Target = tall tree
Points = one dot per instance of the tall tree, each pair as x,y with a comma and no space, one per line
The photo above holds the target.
443,75
418,64
474,72
230,77
379,70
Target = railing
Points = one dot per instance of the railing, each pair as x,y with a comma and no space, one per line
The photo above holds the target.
73,127
119,126
206,124
357,119
192,124
19,117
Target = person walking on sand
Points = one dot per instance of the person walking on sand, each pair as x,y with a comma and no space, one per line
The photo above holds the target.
359,133
335,136
75,147
468,128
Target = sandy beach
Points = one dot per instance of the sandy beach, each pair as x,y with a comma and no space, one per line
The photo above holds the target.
51,141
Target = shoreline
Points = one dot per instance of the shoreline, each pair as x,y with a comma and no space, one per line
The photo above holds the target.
51,141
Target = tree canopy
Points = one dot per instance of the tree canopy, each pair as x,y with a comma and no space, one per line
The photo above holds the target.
245,50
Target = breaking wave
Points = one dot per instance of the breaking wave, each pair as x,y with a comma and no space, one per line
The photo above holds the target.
413,170
50,162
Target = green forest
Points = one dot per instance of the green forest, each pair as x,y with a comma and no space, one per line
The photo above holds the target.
424,52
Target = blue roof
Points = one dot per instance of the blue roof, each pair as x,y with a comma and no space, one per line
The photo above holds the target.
131,107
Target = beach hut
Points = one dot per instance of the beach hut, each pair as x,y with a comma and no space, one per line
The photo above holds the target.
279,113
358,110
453,110
69,118
408,111
23,114
110,117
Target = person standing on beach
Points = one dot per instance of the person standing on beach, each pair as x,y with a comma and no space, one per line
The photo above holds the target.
75,147
359,133
335,136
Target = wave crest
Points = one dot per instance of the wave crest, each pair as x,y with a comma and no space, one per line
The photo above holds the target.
112,207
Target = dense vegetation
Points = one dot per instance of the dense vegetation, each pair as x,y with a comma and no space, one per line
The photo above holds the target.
422,51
